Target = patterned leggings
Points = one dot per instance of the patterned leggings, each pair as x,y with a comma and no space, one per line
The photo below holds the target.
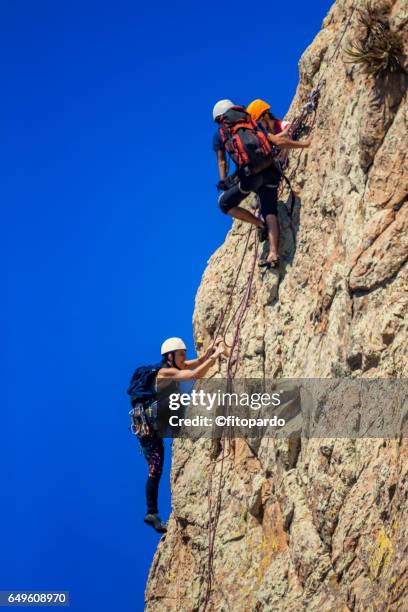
153,451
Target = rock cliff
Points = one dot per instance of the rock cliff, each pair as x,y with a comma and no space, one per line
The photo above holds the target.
326,527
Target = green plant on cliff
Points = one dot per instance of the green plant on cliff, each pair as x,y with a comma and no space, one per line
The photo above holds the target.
375,47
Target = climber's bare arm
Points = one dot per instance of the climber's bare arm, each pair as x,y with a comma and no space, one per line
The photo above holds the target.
222,165
284,141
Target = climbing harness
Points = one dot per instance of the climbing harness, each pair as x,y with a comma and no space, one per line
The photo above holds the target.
143,419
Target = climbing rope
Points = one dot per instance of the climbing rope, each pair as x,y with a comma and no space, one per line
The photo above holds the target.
238,317
213,518
228,304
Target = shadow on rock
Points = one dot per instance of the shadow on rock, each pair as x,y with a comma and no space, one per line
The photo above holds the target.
289,228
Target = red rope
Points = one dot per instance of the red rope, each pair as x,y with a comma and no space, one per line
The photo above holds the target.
232,290
214,509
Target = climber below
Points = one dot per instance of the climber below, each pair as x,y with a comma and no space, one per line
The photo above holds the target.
146,417
249,136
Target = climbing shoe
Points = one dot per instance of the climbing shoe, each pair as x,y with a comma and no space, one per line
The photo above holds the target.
262,233
155,521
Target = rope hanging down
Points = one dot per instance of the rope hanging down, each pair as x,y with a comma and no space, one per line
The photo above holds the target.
238,317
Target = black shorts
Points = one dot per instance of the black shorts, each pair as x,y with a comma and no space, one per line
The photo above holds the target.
232,197
264,184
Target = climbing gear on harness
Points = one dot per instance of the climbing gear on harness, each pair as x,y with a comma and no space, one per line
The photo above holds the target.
247,145
172,344
144,419
221,107
142,392
155,521
138,421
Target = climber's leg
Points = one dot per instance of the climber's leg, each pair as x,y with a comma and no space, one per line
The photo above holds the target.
273,237
268,197
153,451
229,203
245,215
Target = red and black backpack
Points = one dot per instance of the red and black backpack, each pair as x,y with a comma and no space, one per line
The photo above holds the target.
245,142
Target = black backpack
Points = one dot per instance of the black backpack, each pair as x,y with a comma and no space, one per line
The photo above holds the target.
142,394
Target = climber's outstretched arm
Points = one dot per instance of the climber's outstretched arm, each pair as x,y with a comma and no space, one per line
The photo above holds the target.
283,141
195,373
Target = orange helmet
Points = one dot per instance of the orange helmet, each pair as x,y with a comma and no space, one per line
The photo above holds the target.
257,108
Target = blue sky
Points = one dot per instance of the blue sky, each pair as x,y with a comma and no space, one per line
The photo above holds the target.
110,212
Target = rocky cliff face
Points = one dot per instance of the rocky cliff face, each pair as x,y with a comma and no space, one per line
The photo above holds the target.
325,527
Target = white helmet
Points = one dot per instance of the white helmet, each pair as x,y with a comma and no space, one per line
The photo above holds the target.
173,344
222,107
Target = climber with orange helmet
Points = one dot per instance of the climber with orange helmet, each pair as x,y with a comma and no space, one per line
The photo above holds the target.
277,133
149,399
276,129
